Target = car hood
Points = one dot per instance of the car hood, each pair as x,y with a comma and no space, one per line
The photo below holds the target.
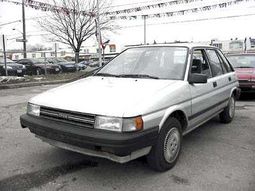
102,95
245,73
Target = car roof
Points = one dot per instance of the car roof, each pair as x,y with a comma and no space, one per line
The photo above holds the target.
188,45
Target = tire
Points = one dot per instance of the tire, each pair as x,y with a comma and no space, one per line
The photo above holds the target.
228,114
170,137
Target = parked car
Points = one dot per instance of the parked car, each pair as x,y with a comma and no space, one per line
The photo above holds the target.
140,103
37,67
244,65
82,65
64,64
96,63
13,68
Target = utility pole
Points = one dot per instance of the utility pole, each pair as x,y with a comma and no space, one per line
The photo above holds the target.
24,29
144,29
56,52
5,65
99,36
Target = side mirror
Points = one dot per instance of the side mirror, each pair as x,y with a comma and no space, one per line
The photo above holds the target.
197,78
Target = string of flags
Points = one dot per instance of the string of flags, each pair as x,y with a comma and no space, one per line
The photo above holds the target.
152,6
179,12
114,15
48,7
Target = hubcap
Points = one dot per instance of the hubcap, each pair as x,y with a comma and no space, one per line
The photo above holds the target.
172,145
231,107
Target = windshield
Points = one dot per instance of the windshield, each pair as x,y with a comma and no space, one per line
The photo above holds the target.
242,61
148,62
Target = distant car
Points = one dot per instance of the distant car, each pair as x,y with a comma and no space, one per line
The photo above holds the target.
13,68
244,65
96,63
82,65
37,67
64,64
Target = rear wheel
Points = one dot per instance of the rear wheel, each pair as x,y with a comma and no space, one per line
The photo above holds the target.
165,152
228,114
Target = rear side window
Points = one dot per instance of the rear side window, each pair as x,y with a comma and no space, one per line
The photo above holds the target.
214,62
225,63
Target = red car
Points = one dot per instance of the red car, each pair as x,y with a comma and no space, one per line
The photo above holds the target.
244,65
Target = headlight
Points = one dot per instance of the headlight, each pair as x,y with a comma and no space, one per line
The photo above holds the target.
33,109
119,124
108,123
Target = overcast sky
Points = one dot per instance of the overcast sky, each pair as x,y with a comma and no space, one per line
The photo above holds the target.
160,30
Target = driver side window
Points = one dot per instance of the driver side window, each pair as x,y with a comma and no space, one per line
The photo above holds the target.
200,64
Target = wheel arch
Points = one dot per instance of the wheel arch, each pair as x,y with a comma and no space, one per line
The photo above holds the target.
178,113
236,92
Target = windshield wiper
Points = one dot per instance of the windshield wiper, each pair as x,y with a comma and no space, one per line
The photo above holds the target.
244,67
106,75
138,76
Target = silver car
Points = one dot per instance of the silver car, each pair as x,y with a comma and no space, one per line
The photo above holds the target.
140,103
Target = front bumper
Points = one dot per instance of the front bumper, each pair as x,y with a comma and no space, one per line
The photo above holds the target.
92,142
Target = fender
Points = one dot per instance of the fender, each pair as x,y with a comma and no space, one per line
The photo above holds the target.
171,110
238,92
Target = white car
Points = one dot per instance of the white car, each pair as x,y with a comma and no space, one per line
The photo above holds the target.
140,103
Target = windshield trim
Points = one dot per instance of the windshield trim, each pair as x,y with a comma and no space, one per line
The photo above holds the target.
135,47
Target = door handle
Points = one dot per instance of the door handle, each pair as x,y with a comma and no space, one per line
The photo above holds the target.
229,79
215,84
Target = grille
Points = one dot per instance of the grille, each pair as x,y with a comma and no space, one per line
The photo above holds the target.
75,118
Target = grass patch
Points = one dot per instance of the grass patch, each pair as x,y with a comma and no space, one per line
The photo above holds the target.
42,78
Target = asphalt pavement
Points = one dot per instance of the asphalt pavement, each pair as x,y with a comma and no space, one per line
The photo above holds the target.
214,157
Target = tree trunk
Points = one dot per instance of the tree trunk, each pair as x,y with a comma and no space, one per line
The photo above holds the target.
77,53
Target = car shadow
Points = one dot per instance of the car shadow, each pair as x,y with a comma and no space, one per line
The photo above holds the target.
248,97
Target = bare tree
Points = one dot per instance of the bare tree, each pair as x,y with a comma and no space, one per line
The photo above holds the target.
75,22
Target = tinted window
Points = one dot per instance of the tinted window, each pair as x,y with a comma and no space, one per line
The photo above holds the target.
199,64
160,62
214,62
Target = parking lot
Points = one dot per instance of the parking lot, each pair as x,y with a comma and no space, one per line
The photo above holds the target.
214,157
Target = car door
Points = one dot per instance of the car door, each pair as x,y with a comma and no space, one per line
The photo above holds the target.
28,64
220,78
203,99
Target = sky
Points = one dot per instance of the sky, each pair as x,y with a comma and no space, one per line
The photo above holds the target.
132,31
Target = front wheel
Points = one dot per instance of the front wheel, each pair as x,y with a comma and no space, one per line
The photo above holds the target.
165,152
227,115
